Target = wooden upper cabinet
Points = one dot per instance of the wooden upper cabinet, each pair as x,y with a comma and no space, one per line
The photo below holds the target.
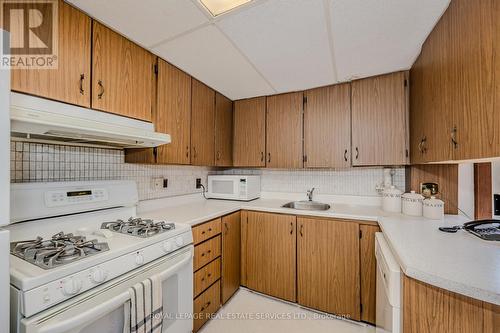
368,272
284,131
231,255
223,131
123,75
268,257
380,120
202,124
173,114
431,114
474,75
327,127
328,266
70,82
249,133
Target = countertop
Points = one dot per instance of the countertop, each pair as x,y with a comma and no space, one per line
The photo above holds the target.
461,262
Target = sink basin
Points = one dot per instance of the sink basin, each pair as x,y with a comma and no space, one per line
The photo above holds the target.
306,205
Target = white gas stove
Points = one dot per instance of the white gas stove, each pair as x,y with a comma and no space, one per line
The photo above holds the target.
69,239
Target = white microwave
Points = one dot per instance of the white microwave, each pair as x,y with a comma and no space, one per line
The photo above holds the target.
233,187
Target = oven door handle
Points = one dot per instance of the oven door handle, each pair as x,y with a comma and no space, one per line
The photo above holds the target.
98,311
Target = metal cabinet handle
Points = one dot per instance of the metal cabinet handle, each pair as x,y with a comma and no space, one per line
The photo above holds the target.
205,306
268,157
421,145
82,77
217,156
357,153
262,156
226,227
194,152
187,151
301,230
345,155
454,137
291,228
101,87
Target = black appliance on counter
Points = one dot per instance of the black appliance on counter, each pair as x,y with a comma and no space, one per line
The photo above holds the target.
485,229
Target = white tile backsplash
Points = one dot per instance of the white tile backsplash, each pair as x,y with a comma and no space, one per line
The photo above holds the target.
354,181
36,162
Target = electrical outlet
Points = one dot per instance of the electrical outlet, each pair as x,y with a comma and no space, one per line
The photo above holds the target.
158,183
198,182
165,182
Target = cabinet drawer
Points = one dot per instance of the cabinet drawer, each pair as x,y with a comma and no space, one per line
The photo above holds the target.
206,252
206,231
205,305
206,276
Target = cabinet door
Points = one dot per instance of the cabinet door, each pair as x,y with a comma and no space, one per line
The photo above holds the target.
368,272
70,82
328,266
327,127
431,114
223,131
269,254
249,138
202,124
284,131
379,120
475,72
123,75
173,114
231,255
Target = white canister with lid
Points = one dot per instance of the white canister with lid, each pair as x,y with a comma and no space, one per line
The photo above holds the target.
412,204
391,200
433,208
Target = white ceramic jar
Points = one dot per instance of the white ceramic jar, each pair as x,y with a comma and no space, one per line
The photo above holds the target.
391,199
412,204
433,208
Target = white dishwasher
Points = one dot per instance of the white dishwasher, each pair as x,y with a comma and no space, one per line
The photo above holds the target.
388,318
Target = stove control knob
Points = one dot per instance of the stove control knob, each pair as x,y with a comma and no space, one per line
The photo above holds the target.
179,241
167,246
139,259
98,275
71,286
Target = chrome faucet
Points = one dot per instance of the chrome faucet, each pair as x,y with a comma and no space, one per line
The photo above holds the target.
310,194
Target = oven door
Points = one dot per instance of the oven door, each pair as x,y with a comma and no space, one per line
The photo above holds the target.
102,309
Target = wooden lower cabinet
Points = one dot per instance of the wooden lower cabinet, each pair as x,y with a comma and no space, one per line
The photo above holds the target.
231,255
206,231
328,266
429,309
368,271
269,254
206,305
206,276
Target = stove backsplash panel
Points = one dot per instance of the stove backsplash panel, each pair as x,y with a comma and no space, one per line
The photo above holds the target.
35,162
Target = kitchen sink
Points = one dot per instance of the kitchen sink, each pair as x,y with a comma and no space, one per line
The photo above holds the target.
306,205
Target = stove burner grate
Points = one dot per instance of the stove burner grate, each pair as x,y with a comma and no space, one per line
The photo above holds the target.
138,227
61,249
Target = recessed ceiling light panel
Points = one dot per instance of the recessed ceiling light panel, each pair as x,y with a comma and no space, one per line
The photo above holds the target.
218,7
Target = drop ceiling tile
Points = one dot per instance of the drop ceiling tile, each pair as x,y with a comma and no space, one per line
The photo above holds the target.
286,40
209,56
146,22
372,37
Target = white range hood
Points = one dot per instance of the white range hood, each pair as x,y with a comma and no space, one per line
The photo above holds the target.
43,119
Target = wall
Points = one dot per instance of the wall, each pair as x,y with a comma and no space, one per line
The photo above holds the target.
32,162
35,162
495,177
354,181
